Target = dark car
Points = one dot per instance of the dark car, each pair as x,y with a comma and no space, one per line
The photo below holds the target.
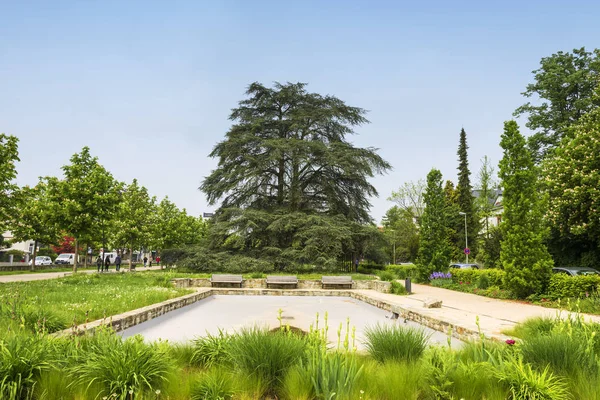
464,266
575,271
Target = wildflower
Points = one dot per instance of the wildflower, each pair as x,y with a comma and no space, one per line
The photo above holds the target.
510,342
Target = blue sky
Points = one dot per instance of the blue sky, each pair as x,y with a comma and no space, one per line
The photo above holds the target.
148,85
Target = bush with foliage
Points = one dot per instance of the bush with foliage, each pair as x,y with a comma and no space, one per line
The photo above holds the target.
563,286
495,277
403,271
395,342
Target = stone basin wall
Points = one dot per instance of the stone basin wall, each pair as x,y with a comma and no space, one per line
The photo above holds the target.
380,286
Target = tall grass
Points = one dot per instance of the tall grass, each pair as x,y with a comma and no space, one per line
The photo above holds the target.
526,383
211,350
22,359
395,343
214,384
266,355
392,380
122,368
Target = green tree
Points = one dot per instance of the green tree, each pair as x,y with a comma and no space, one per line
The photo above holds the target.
32,219
409,197
488,254
85,202
9,155
434,246
524,255
465,200
565,84
454,220
286,172
132,227
402,235
572,177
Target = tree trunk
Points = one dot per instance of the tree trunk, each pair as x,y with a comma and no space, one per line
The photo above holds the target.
75,261
34,255
281,181
85,257
131,257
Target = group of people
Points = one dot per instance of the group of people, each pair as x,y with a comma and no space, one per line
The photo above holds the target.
103,266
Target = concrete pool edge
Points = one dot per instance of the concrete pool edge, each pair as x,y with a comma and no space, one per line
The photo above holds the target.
132,318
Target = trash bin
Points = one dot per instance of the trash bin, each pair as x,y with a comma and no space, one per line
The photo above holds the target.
407,285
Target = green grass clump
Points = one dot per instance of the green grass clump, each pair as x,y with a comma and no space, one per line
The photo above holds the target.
214,384
22,359
526,383
386,276
211,350
397,288
395,343
266,355
119,367
533,327
392,380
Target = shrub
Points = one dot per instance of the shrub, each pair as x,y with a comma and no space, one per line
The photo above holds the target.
385,276
563,286
403,271
119,366
266,355
395,343
483,282
494,276
397,288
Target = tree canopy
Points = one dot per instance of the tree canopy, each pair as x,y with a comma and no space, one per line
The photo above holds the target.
9,155
288,179
565,84
524,255
465,200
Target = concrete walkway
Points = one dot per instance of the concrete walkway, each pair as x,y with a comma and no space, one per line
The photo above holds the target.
462,309
39,276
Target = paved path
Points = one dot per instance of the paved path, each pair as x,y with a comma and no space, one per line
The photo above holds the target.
462,309
38,276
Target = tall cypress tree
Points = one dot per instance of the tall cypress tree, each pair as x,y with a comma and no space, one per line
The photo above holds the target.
434,246
465,199
524,256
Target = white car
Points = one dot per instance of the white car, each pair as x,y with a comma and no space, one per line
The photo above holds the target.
41,260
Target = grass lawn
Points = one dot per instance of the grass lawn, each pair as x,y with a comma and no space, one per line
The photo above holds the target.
80,298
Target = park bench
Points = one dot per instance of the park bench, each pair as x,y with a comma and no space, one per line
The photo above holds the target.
282,280
227,279
342,280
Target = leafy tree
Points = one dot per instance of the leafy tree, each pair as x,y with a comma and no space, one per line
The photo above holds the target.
402,234
565,83
573,183
524,255
132,227
32,219
453,220
465,200
86,200
409,198
66,244
487,194
9,155
287,175
168,225
434,246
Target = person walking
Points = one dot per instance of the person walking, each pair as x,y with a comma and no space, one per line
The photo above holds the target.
118,262
106,263
99,263
145,261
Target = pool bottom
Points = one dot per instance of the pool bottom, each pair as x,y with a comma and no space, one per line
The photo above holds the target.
231,313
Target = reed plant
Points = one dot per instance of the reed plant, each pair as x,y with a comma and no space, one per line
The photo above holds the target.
395,342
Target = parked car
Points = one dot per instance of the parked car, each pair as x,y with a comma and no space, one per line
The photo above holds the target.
464,266
65,258
41,260
575,271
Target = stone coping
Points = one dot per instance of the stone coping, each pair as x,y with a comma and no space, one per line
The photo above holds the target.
380,286
459,330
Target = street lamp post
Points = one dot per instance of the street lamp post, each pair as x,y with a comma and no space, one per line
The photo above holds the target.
466,237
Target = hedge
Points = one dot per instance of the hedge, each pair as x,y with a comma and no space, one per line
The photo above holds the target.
402,271
563,286
494,276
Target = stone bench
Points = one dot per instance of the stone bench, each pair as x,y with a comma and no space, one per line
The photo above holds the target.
226,279
282,280
342,280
